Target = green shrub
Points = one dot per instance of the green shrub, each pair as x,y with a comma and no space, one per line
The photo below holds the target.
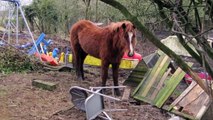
13,60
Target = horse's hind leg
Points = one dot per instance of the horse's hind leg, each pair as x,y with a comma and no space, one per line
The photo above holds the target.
115,68
77,60
82,56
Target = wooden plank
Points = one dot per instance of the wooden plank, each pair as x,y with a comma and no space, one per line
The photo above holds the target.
44,85
142,63
183,114
160,84
140,84
140,88
183,94
194,103
153,77
169,87
126,94
144,99
194,106
136,76
167,90
141,69
134,79
147,75
139,72
196,92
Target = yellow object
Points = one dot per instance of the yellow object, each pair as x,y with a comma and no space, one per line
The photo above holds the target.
125,64
50,53
70,58
61,59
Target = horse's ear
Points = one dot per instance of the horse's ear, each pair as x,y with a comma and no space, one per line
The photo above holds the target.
123,26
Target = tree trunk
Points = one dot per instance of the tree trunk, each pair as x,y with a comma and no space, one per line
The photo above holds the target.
87,3
96,11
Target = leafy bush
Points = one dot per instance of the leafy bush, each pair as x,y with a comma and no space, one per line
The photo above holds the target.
13,60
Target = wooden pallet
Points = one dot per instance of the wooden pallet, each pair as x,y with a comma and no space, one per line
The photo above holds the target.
192,103
137,74
158,84
147,88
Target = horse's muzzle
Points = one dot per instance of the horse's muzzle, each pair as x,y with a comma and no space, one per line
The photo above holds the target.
130,54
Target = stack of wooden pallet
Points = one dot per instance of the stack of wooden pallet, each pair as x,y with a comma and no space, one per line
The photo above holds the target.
159,84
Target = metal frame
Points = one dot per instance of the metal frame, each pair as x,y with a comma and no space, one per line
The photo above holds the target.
18,6
94,104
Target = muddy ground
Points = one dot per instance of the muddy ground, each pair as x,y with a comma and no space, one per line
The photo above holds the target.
22,101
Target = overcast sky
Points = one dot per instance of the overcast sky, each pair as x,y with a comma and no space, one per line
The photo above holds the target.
4,4
26,2
23,2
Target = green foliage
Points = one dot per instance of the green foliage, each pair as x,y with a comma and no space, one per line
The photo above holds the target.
44,13
56,16
68,13
12,61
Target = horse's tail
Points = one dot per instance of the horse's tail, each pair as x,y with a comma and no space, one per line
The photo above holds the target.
73,42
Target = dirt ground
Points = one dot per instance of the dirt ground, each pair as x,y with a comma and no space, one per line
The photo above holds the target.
22,101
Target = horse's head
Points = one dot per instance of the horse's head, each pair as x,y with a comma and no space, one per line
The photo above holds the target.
127,36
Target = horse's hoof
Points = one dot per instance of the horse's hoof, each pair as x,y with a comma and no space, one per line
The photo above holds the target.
103,91
117,92
80,79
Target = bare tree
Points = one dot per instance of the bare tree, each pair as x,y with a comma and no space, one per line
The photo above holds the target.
87,3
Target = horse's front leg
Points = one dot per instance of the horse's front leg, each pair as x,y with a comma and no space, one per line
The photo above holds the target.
115,67
104,72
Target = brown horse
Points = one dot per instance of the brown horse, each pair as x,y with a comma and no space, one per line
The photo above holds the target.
107,43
